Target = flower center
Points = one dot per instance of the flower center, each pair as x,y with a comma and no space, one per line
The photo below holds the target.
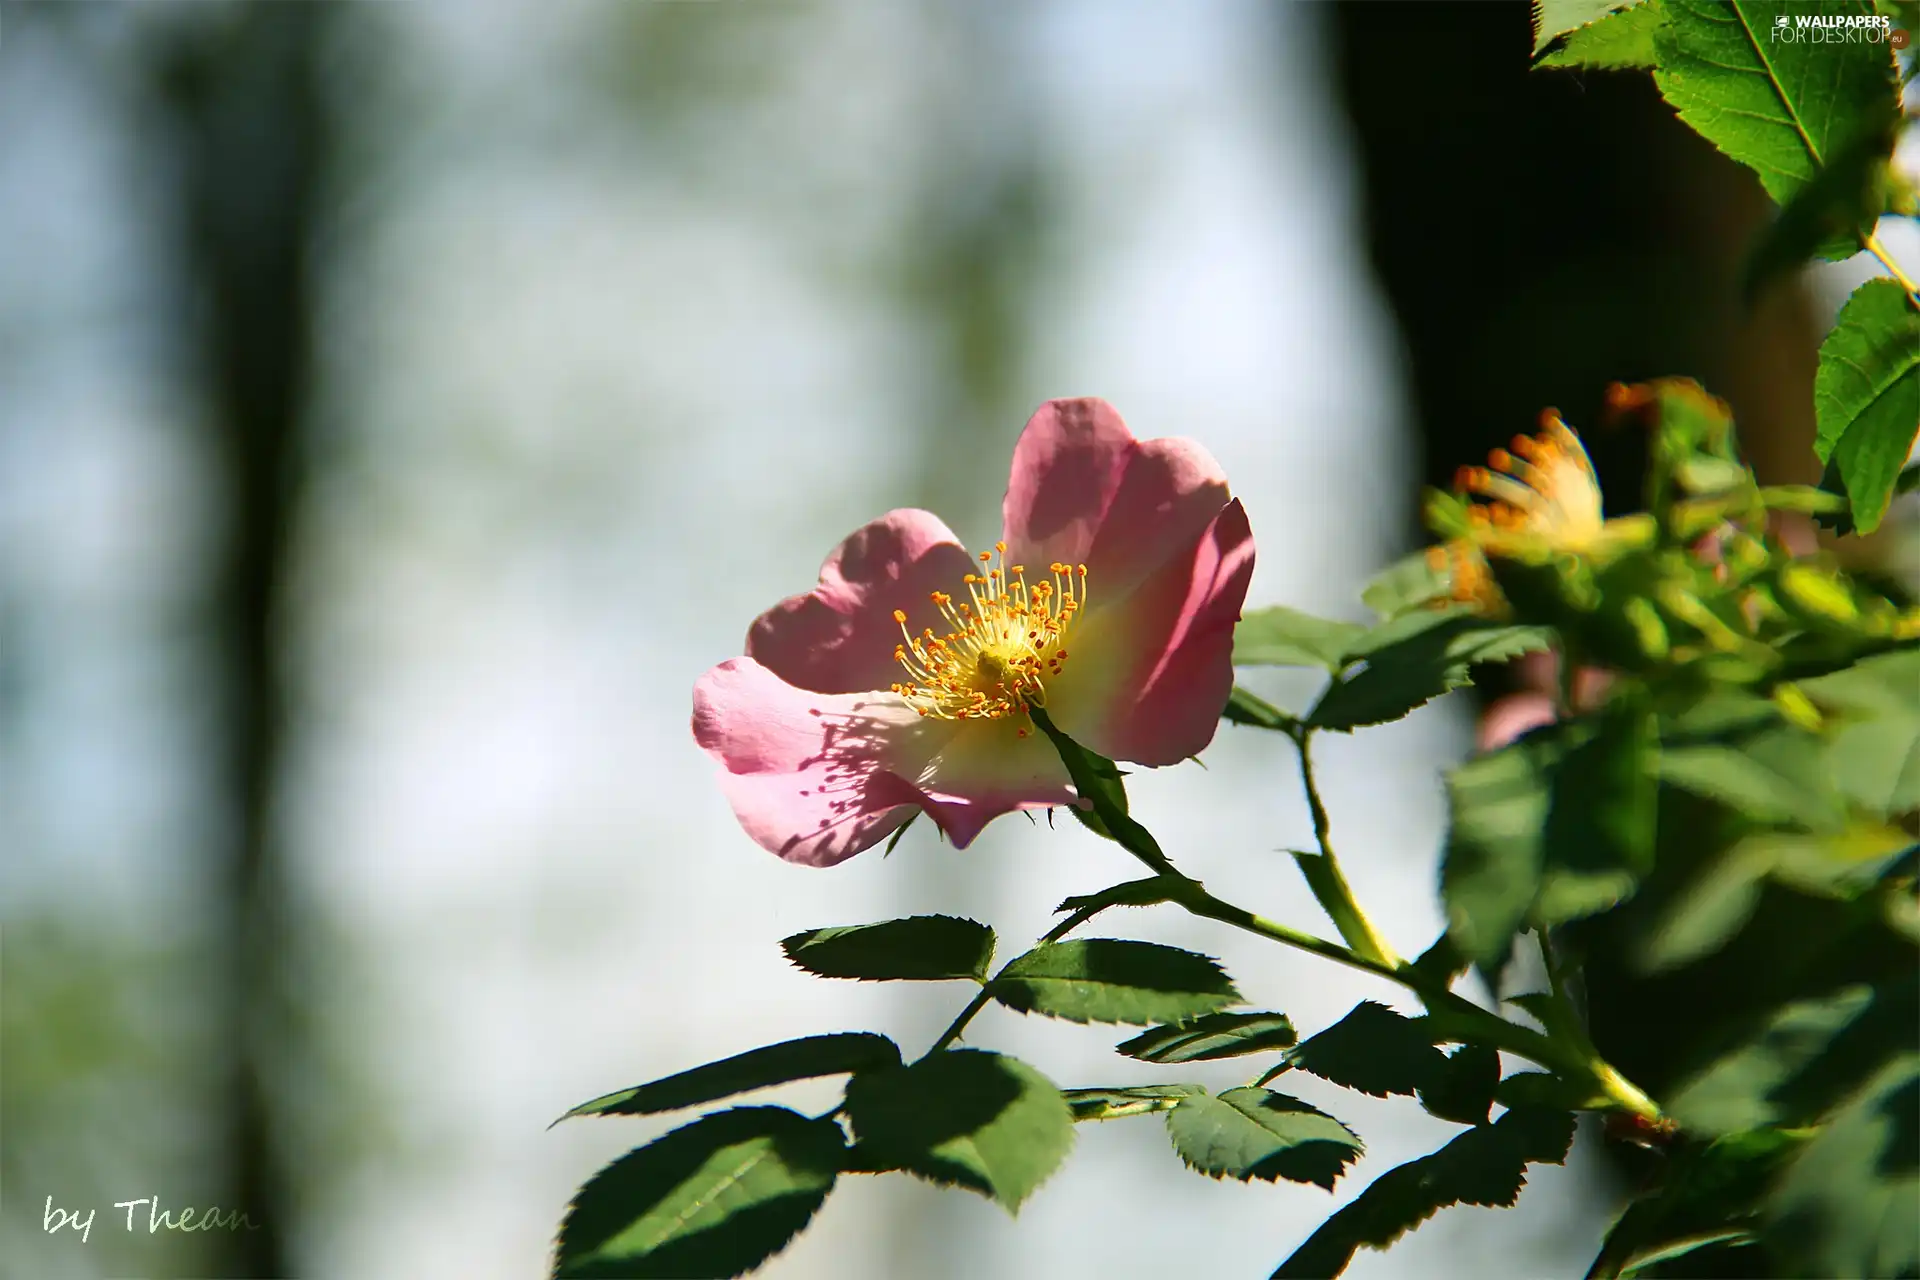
1545,486
998,649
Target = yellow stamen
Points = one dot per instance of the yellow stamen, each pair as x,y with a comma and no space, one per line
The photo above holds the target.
989,664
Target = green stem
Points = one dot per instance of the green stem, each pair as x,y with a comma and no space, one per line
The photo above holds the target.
1324,877
1871,243
960,1022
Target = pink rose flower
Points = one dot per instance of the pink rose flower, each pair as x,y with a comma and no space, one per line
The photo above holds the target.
902,682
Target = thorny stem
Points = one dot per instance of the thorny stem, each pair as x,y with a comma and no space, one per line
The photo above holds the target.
965,1016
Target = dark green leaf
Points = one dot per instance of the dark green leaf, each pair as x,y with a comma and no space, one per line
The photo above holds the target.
1217,1035
1777,772
1412,659
1620,41
893,841
923,948
800,1059
1875,755
1708,1195
1866,396
1711,909
715,1198
1483,1166
1097,780
1773,1077
1828,217
1245,707
1442,962
1462,1091
1375,1050
1283,637
1111,980
963,1117
1783,107
1544,1090
1131,1100
1250,1133
1498,806
1133,893
1599,835
1849,1204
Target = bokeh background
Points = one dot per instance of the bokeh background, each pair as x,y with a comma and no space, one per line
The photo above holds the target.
402,405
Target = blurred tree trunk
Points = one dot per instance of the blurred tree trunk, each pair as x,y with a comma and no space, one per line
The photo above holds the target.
251,146
1539,235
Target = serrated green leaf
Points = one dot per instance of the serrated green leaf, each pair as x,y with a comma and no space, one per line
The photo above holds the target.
1866,396
1408,584
1372,1049
1144,892
1619,41
1771,1078
1599,836
1217,1035
1546,1091
1875,754
1711,909
1248,708
1130,1100
1490,874
800,1059
1776,772
1555,18
1483,1166
1413,659
963,1117
1098,781
1462,1091
1782,107
1113,980
1250,1133
1707,1197
714,1198
1849,1203
1283,637
919,948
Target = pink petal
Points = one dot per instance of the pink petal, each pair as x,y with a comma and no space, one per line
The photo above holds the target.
987,769
839,637
1084,491
816,778
811,776
1067,465
1147,677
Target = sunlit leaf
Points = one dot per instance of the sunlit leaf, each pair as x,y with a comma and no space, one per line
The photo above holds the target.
1216,1035
1283,637
1129,1100
1866,396
1849,1203
1250,1133
1373,1049
1618,41
715,1198
1783,107
963,1117
1483,1166
1112,980
799,1059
